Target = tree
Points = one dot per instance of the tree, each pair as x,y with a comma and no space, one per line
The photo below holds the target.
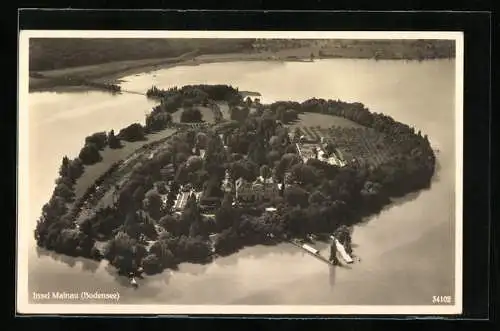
304,174
295,195
76,168
152,264
64,170
162,188
187,104
286,163
63,191
182,174
138,196
133,132
273,156
296,219
194,163
265,171
191,115
291,149
227,242
191,215
201,140
99,139
215,156
171,223
239,113
132,226
248,101
153,204
124,253
316,198
156,121
212,188
161,250
89,154
280,113
257,153
113,141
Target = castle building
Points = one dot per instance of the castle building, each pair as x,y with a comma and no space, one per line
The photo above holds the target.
260,189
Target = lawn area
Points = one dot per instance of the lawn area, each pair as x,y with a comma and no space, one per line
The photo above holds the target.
109,156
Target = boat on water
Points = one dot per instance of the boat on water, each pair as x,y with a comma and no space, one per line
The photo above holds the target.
310,249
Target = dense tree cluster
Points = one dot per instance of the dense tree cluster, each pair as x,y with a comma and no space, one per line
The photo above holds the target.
158,119
95,143
197,94
191,115
411,169
133,132
55,229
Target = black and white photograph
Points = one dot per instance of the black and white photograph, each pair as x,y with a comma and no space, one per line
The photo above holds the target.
242,172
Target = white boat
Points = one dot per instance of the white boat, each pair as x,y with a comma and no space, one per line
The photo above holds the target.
341,249
310,249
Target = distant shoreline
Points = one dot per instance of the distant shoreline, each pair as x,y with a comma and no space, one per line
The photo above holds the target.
112,72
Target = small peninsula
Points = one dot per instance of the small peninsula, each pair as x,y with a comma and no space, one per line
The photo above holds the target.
214,170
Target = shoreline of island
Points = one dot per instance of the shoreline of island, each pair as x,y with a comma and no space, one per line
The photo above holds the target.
313,180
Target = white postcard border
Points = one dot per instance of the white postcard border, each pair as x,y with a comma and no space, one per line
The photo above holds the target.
24,228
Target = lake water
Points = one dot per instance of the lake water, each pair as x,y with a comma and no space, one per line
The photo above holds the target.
407,252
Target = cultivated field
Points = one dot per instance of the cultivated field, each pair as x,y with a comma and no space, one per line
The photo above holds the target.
323,121
366,145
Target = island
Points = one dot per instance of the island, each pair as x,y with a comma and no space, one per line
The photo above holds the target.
212,171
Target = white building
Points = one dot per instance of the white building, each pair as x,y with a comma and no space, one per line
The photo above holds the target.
308,153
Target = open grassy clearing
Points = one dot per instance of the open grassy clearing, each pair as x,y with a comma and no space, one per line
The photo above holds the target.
323,121
104,196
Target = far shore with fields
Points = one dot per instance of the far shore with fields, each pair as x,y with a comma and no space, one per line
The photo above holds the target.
110,72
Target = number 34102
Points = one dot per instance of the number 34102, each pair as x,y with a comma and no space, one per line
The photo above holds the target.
441,299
